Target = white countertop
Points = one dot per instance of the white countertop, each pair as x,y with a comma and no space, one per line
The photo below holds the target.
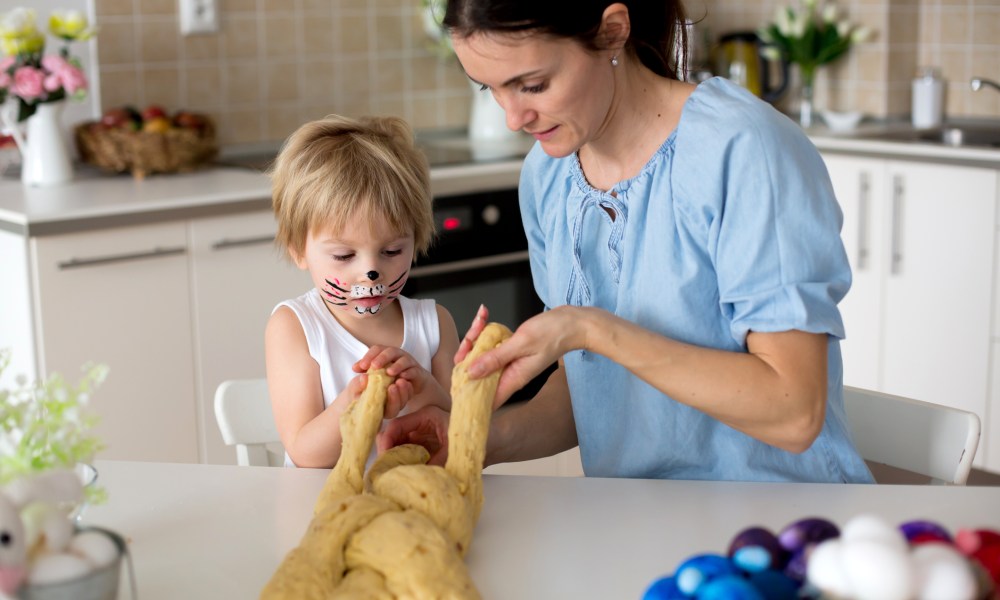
96,200
208,531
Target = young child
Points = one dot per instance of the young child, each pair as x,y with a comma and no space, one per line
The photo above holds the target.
353,205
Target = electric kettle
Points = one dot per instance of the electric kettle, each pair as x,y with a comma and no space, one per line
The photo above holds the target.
738,58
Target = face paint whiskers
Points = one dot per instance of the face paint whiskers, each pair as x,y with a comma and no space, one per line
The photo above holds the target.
358,291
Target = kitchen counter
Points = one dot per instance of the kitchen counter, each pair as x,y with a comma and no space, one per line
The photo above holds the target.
95,200
204,531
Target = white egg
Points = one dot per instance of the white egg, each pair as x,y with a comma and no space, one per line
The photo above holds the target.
53,568
97,548
826,569
871,527
942,573
877,570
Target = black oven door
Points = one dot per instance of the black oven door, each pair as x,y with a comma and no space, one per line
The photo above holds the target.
480,257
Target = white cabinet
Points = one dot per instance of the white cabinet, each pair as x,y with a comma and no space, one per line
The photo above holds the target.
238,277
564,464
121,297
920,238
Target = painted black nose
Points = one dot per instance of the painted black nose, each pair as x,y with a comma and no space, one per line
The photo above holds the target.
372,275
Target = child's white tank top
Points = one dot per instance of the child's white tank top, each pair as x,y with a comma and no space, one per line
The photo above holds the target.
335,350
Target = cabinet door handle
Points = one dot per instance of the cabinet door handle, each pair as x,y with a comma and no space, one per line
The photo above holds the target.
864,191
240,242
898,196
469,264
157,252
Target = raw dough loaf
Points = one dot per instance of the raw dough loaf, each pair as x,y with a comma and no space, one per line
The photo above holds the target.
402,530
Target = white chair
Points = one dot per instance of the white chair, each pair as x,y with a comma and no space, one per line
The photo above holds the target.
932,440
243,412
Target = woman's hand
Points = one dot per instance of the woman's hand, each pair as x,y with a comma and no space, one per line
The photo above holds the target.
537,343
427,427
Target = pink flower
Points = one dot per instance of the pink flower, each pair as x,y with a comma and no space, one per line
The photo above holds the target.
28,83
6,63
62,73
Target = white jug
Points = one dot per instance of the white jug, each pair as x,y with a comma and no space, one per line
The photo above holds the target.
44,157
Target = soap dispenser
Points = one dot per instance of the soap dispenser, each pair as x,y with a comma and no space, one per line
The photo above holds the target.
928,98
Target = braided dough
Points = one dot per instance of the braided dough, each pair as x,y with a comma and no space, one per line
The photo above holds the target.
402,530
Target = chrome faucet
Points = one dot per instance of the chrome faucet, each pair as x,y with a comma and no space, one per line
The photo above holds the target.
977,84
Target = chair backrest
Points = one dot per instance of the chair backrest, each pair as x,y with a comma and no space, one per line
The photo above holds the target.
929,439
243,412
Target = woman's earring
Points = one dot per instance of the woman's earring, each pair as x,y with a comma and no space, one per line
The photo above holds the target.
614,61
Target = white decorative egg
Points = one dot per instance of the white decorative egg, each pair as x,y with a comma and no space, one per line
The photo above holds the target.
826,569
97,548
878,570
942,573
53,568
871,527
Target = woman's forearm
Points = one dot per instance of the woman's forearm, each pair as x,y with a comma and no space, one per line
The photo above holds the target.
542,426
775,392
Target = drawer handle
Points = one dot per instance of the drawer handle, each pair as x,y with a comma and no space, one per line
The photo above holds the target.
225,243
75,263
896,247
472,263
864,189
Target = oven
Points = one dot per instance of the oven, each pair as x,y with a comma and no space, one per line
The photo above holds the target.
480,256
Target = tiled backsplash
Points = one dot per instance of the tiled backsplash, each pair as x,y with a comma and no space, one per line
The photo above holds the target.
277,63
961,37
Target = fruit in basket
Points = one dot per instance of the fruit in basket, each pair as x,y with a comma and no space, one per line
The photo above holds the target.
157,125
153,111
114,118
189,120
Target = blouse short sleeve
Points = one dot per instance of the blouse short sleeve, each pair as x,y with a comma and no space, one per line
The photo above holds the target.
757,188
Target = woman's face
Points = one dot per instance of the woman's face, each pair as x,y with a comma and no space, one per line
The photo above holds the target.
552,88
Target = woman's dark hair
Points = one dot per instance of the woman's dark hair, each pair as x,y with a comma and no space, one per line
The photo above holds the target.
657,29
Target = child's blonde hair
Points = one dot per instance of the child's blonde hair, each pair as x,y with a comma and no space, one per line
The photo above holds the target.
337,168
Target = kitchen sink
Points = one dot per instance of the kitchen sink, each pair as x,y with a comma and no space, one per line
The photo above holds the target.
956,135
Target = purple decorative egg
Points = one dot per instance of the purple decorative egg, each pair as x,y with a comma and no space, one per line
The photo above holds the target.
917,532
806,532
755,549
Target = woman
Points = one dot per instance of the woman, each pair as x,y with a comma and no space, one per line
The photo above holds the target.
686,243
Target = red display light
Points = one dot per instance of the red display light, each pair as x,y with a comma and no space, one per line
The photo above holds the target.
452,223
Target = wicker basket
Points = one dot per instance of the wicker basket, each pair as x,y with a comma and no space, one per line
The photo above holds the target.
118,150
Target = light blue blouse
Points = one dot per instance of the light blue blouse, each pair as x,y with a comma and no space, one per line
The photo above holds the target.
731,227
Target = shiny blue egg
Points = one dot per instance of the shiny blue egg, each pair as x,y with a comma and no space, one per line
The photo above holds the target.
702,568
775,585
729,587
664,588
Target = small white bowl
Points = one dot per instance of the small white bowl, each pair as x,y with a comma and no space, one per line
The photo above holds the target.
842,121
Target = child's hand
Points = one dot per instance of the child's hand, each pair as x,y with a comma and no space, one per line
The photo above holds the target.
411,379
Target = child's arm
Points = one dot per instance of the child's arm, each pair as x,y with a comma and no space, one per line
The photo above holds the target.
443,362
309,432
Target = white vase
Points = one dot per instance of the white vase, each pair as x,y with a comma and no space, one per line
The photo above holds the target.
487,121
45,158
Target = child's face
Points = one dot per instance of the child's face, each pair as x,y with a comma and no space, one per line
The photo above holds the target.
360,270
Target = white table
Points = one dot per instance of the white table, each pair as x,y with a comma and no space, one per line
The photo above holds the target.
207,531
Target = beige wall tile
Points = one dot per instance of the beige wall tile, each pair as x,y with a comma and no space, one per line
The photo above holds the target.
388,33
426,112
389,105
240,126
157,7
986,25
228,7
203,87
201,47
352,33
280,37
159,41
319,85
353,75
119,87
277,6
319,35
281,82
424,73
954,26
282,121
388,79
239,37
105,8
242,84
162,86
116,45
